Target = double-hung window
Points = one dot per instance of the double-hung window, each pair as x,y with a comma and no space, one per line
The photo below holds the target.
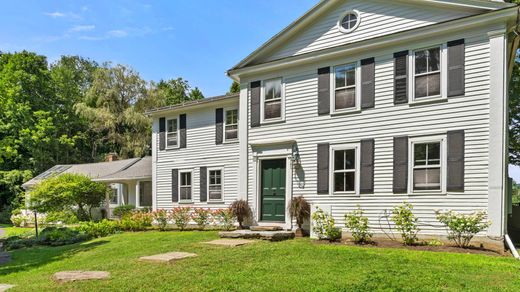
231,127
185,186
215,184
345,167
427,73
344,87
172,136
272,101
427,164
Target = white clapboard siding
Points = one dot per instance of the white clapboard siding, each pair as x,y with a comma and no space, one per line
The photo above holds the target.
377,18
385,121
201,151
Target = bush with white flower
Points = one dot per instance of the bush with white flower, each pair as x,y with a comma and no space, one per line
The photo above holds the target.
463,227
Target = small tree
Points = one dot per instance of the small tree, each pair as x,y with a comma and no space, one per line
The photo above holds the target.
463,227
300,210
241,211
406,223
325,226
69,191
358,225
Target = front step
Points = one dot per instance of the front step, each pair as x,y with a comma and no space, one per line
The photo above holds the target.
278,235
265,228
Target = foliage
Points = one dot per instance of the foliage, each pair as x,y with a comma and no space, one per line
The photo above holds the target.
300,210
241,211
17,242
99,229
514,116
61,217
406,223
234,88
181,217
358,226
69,192
123,210
463,227
161,218
201,216
56,236
324,226
516,193
136,221
225,217
11,192
25,219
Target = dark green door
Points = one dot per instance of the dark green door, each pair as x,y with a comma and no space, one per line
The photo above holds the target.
273,190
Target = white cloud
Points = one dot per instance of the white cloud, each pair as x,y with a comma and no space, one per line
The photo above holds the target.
81,28
55,14
117,33
59,14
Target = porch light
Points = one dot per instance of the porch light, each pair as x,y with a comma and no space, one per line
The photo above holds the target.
295,157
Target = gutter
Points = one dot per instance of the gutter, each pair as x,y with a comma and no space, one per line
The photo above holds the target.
511,247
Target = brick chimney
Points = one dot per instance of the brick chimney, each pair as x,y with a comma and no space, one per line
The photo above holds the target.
111,157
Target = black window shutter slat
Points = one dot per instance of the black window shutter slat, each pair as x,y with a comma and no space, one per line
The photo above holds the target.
162,133
368,89
182,127
456,60
367,166
219,126
324,91
400,181
175,185
255,103
323,168
455,161
401,77
203,184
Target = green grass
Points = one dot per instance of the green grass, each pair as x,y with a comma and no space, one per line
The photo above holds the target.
16,231
291,265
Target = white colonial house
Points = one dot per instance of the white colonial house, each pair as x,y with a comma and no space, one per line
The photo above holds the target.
358,102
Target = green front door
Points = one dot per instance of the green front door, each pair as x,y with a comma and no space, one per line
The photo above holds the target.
273,190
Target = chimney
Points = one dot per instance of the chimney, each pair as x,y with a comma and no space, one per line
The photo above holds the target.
111,157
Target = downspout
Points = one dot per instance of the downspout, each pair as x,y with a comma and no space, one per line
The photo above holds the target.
511,247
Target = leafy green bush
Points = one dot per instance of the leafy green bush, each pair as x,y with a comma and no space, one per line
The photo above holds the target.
358,226
406,223
225,218
123,210
56,236
161,218
463,227
63,217
181,216
17,242
324,226
136,221
99,229
201,217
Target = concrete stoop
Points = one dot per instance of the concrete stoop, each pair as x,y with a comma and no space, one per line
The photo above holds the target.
278,235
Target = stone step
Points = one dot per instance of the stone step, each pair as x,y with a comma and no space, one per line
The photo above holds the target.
265,228
265,235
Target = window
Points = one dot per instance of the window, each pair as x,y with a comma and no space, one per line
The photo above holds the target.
185,186
172,133
215,185
272,104
349,21
114,197
427,78
344,169
427,167
145,194
344,87
231,128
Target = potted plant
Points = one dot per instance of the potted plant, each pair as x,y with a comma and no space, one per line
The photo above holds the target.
241,210
300,210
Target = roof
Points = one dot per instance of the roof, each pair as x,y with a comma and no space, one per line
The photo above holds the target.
142,169
193,103
97,171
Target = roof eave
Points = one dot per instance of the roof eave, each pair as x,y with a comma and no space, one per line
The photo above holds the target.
192,104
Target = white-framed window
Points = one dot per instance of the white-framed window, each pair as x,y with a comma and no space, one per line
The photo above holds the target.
272,100
349,21
427,164
428,78
215,184
346,92
114,199
231,125
344,169
185,186
145,194
172,133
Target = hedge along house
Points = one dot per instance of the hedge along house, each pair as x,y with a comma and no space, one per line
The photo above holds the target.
130,180
370,103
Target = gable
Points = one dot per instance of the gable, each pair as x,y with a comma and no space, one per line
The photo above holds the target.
377,18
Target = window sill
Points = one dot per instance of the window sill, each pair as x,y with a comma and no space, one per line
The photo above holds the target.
185,202
432,193
234,141
272,122
345,195
425,101
215,202
345,112
172,148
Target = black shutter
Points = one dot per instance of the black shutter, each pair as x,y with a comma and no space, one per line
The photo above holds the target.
182,124
455,161
401,77
367,166
175,185
324,91
203,184
255,103
323,168
219,126
456,59
400,165
162,133
368,89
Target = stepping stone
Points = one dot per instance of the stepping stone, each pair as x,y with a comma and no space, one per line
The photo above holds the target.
265,235
265,228
5,287
71,276
230,242
167,257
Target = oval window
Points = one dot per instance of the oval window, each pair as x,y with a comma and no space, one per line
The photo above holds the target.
349,21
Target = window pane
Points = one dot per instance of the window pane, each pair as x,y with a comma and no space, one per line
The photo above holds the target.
351,75
419,154
172,139
344,182
350,159
231,117
113,200
273,89
345,98
421,86
434,153
421,62
172,125
434,84
341,77
426,179
231,132
215,193
185,193
273,110
433,59
145,194
339,157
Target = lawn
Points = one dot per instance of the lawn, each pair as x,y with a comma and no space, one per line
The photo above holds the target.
263,266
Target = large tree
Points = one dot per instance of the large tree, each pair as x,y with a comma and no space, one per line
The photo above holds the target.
514,117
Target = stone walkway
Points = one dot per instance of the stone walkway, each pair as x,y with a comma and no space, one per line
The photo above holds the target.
5,287
71,276
230,242
167,257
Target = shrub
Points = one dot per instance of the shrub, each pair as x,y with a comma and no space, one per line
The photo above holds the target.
26,219
201,217
62,217
463,227
123,210
136,221
161,218
241,211
406,223
300,210
225,217
324,226
358,226
98,229
181,217
56,236
17,242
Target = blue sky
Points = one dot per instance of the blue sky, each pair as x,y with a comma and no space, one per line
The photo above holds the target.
194,39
